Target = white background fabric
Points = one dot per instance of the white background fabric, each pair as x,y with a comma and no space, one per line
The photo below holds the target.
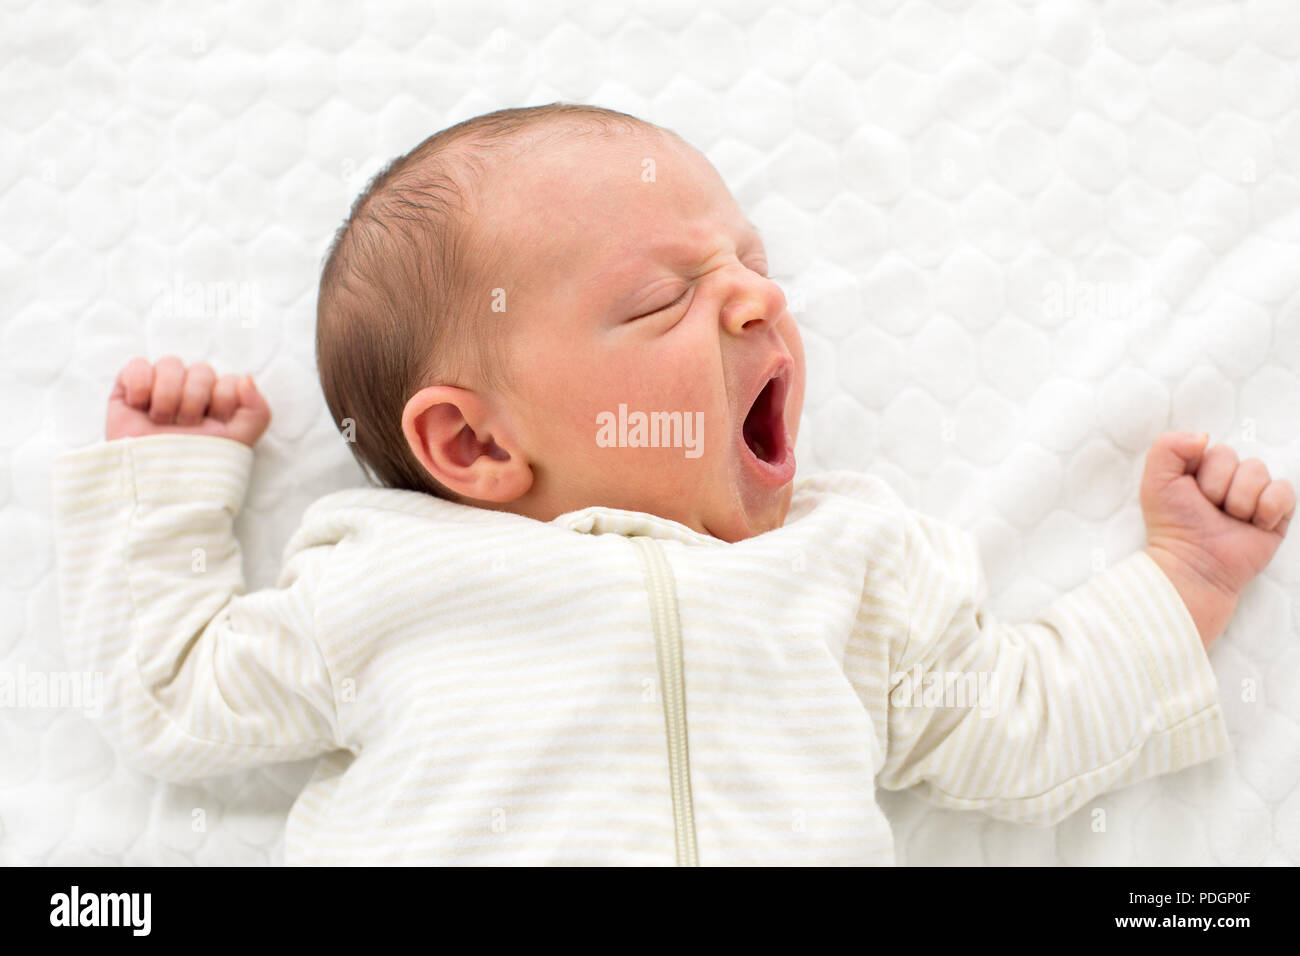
1021,238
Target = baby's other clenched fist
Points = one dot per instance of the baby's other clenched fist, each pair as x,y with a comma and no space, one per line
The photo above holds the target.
1213,522
168,398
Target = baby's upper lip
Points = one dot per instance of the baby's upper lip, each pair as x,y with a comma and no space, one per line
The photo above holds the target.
779,366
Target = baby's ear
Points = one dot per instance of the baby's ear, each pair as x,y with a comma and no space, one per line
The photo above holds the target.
463,446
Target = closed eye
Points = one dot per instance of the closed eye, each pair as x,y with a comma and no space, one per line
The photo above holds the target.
665,308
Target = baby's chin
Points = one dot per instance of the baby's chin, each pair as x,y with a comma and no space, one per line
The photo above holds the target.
775,517
753,519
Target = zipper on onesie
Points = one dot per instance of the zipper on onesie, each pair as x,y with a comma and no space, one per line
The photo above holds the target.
667,624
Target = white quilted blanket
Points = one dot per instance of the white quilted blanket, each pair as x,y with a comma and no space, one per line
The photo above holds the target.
1022,239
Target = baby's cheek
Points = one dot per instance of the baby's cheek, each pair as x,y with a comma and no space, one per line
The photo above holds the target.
584,424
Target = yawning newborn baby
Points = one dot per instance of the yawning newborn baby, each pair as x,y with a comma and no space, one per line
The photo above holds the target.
510,283
588,616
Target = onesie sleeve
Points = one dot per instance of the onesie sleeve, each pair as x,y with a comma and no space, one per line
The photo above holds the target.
1108,686
198,678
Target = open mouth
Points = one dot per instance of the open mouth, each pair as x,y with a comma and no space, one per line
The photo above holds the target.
764,427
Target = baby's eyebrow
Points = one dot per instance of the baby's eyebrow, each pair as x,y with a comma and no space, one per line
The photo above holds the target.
748,233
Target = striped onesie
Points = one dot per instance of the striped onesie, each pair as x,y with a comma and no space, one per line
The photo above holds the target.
609,687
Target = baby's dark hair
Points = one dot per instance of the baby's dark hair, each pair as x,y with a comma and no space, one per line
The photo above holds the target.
405,294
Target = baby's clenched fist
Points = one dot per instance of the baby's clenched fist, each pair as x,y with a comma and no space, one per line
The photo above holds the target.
168,398
1213,522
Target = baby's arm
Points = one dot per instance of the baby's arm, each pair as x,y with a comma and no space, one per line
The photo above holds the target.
1107,686
199,679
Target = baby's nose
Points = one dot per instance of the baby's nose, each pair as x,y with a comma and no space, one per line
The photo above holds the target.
754,301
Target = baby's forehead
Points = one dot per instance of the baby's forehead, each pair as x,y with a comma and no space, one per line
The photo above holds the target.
570,178
586,154
569,203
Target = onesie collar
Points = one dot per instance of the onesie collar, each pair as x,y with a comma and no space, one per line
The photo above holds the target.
598,520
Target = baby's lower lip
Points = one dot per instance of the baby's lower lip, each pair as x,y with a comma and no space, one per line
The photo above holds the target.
775,473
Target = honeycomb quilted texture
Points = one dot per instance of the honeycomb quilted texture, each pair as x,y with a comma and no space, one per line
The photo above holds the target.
1021,238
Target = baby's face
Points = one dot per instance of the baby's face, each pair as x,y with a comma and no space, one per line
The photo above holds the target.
652,365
